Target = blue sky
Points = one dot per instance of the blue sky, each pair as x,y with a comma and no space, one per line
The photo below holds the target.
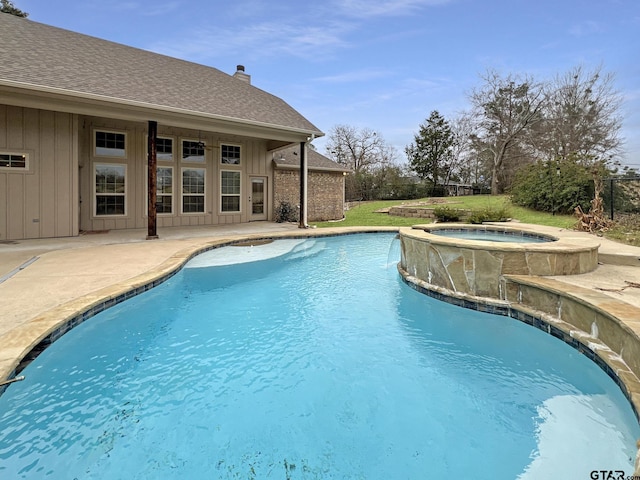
380,64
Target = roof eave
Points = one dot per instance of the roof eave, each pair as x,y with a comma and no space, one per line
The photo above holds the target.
57,99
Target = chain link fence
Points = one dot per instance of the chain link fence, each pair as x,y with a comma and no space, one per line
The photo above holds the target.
622,197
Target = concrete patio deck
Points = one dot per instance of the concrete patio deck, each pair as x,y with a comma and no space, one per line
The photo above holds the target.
43,282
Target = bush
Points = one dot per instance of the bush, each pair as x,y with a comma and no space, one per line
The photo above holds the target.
285,212
446,214
489,214
553,187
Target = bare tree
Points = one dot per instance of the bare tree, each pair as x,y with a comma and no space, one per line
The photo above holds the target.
465,164
504,109
360,150
582,118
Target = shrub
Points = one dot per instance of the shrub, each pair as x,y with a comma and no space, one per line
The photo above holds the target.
489,214
553,187
285,212
446,214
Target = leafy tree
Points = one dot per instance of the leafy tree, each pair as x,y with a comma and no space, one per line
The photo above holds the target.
431,153
505,110
391,182
6,6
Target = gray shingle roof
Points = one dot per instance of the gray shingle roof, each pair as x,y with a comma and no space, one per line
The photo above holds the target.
46,56
290,158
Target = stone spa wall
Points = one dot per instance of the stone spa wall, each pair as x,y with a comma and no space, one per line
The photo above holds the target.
479,268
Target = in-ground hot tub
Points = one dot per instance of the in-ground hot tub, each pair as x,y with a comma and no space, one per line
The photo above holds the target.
473,259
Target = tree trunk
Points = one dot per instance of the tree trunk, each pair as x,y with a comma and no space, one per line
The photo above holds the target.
498,158
494,183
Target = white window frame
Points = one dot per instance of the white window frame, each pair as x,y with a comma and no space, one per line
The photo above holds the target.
109,194
235,145
160,157
108,152
170,195
9,168
199,160
227,195
203,194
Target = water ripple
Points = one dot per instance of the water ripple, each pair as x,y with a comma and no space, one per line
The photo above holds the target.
319,364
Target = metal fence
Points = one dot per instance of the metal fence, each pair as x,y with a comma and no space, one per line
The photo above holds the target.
622,196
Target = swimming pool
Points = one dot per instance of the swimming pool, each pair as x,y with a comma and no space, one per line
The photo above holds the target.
309,359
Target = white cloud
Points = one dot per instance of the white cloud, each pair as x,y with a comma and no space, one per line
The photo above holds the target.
354,76
371,8
161,9
138,8
313,34
631,95
262,39
588,27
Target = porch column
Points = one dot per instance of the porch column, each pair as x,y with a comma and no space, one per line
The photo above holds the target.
151,180
303,185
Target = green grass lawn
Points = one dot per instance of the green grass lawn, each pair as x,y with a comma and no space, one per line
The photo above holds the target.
626,230
365,214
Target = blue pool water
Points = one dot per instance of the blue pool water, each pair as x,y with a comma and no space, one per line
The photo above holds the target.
310,360
490,235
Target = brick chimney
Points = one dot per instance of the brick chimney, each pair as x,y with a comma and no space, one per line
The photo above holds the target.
240,75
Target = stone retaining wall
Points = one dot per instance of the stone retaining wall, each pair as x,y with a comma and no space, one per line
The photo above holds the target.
424,212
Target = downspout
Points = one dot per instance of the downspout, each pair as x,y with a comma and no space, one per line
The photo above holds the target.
304,170
151,180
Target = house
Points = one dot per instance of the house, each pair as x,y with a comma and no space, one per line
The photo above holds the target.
78,119
456,189
325,183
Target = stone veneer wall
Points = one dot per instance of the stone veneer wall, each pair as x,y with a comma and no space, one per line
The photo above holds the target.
479,268
325,195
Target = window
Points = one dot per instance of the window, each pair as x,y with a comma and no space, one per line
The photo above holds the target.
230,191
164,149
164,182
110,186
230,154
192,151
193,190
14,160
110,144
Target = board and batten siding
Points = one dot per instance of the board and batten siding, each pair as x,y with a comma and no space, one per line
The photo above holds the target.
42,200
255,160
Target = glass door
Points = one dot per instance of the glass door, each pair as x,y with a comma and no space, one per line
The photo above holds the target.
258,198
